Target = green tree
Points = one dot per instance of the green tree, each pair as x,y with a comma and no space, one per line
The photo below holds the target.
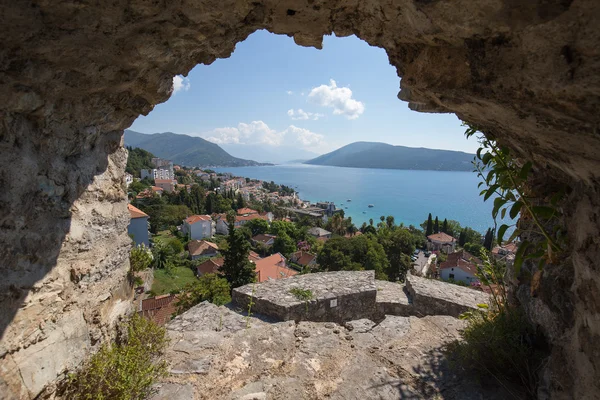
436,225
140,258
210,287
284,245
445,226
257,226
390,221
429,230
462,238
138,159
398,247
161,254
237,269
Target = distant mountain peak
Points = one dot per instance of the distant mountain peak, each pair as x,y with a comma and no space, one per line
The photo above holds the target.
184,149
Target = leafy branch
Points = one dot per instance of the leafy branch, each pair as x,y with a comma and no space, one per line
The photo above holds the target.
506,178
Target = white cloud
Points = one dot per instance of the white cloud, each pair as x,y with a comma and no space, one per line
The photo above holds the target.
258,132
338,98
290,92
180,83
300,114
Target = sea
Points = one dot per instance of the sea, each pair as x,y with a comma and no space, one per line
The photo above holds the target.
407,195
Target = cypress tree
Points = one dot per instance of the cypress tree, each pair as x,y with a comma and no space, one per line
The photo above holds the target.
429,229
237,269
445,226
462,238
436,225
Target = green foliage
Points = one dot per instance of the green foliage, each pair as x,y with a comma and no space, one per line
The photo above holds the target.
237,269
498,341
138,159
257,226
210,287
136,186
302,294
473,248
353,254
505,179
125,370
284,245
140,258
398,245
163,215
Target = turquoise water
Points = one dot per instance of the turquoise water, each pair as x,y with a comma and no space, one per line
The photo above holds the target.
407,195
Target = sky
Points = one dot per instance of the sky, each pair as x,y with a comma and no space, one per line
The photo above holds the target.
275,93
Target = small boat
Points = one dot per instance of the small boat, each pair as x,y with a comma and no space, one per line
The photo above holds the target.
364,212
346,208
349,200
371,206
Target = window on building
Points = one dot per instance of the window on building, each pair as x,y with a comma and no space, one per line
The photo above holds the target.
451,276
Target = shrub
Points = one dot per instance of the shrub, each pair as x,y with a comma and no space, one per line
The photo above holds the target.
302,294
498,341
140,258
210,287
126,369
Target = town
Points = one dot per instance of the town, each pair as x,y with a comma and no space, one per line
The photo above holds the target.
180,225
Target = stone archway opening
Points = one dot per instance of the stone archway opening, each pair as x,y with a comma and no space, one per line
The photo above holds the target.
73,75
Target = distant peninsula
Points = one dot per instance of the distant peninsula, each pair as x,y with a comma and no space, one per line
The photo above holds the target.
185,150
386,156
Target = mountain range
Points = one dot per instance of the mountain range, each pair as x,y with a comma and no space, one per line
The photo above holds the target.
185,150
386,156
269,154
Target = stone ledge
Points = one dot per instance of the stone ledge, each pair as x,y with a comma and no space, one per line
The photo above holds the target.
336,296
431,297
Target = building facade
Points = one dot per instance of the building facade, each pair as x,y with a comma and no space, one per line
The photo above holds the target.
138,226
198,227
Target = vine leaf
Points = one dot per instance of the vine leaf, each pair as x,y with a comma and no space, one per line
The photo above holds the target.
519,256
501,232
514,210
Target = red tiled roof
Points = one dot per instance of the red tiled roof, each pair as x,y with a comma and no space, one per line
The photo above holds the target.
159,309
464,265
199,247
263,238
195,218
170,181
273,267
464,255
441,237
245,210
304,258
135,212
157,189
250,217
252,256
210,266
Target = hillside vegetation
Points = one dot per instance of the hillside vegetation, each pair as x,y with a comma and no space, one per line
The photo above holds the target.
184,150
381,155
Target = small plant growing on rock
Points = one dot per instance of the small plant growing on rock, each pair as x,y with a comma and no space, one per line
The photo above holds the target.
250,304
303,295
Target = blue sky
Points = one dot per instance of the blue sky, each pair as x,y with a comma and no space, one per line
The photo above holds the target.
346,92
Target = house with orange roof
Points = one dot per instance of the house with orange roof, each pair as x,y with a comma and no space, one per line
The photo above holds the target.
159,309
460,266
246,211
441,242
212,266
198,227
138,226
265,239
202,248
273,267
222,227
304,258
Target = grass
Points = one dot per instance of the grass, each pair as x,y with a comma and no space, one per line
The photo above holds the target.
302,294
175,281
161,235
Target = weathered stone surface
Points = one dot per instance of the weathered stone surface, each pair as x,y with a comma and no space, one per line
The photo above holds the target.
432,297
336,296
74,74
392,299
399,357
173,391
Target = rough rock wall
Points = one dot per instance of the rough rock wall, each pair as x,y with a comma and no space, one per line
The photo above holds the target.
73,74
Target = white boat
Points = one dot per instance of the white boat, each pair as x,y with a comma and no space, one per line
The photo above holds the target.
349,200
371,206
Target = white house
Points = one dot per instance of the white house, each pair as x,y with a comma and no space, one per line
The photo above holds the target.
223,229
128,179
138,226
198,227
460,266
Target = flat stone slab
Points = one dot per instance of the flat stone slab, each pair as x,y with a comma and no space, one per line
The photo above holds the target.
432,297
334,296
392,299
173,391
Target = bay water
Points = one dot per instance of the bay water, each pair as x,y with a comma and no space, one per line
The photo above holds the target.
407,195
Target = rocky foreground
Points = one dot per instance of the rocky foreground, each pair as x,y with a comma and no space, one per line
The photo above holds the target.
218,353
